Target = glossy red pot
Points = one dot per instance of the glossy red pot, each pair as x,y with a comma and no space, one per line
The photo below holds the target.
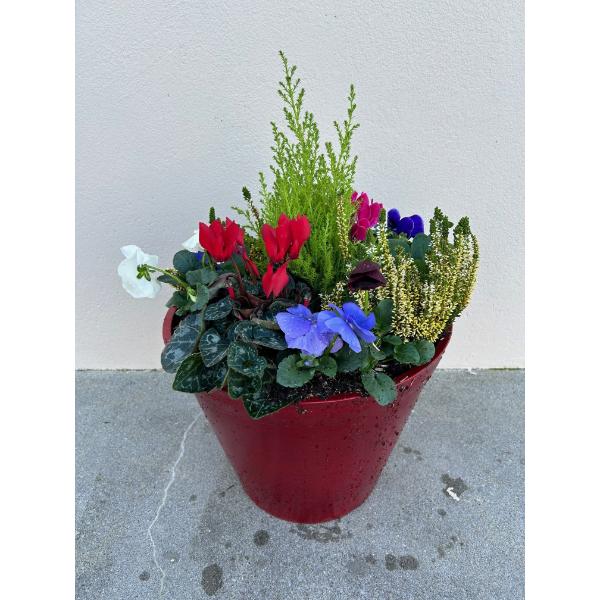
317,460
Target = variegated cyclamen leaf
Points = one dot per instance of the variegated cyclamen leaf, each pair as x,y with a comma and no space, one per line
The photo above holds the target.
213,377
182,343
187,378
240,386
244,359
193,377
255,334
219,309
262,404
213,347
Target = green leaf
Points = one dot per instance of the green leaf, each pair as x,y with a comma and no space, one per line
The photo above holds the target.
213,347
426,350
348,360
290,375
182,343
327,366
420,245
213,377
185,261
407,354
193,377
377,354
218,310
261,404
276,307
399,244
383,315
380,386
168,279
178,299
395,340
188,375
240,386
202,296
244,359
255,334
204,276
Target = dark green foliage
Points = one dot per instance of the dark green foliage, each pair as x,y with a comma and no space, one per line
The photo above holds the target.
327,366
254,333
426,350
205,276
213,347
407,354
348,361
185,261
383,316
239,385
193,376
380,386
418,352
420,244
219,309
261,404
182,343
245,359
292,373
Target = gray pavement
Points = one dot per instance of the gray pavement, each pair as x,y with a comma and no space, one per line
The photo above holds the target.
153,483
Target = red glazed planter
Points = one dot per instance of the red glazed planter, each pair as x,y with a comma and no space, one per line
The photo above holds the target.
317,460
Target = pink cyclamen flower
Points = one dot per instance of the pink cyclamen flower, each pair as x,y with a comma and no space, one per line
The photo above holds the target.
367,216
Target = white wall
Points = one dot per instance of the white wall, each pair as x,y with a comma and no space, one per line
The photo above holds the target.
174,101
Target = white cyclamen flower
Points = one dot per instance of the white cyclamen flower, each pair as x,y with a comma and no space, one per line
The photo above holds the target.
138,288
192,244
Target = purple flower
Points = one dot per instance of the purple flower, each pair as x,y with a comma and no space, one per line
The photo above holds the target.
301,331
366,275
409,226
367,216
350,322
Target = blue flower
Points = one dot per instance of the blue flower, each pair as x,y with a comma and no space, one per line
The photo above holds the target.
301,331
409,226
350,322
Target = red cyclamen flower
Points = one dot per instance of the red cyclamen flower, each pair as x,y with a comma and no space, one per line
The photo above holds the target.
287,239
367,216
220,240
274,282
250,266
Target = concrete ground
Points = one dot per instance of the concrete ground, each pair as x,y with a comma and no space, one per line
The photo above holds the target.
158,503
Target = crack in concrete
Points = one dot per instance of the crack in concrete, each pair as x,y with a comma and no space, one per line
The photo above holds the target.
164,501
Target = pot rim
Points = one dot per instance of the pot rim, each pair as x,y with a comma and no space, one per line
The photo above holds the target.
403,378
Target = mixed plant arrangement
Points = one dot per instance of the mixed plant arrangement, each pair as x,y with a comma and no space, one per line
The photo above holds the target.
320,286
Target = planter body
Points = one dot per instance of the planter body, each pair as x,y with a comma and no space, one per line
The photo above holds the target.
317,460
